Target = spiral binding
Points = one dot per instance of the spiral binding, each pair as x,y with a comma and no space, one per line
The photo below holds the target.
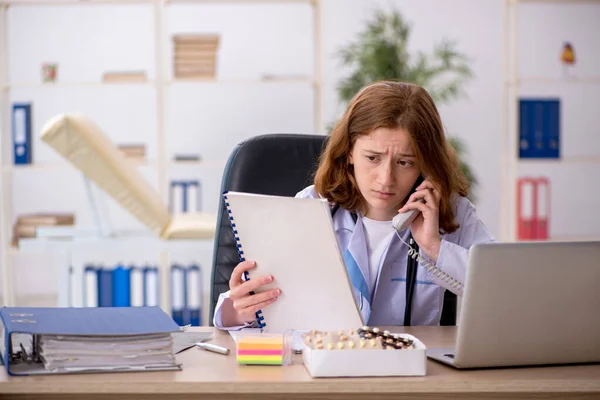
259,317
433,270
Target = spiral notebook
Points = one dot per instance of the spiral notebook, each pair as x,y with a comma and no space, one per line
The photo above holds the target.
293,240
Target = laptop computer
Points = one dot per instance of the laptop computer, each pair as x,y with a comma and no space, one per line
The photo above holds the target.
528,303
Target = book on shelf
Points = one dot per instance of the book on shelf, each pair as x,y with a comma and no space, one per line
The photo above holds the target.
211,39
194,72
193,56
195,49
187,157
47,219
133,151
26,225
124,76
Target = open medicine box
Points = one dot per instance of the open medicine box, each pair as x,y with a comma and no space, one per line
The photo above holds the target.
360,353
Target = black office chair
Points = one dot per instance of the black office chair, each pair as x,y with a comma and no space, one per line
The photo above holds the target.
277,164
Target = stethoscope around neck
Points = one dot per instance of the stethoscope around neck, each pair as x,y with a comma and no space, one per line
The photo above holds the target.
411,270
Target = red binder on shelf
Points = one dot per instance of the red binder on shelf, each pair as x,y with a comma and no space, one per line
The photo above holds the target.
543,208
533,214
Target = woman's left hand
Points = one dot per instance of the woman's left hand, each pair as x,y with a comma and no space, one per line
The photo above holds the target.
426,226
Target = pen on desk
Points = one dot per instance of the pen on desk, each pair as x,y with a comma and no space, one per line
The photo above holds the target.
213,347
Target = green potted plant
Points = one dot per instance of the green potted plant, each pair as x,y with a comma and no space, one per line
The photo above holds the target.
381,53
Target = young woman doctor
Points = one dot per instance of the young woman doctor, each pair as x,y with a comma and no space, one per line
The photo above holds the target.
390,136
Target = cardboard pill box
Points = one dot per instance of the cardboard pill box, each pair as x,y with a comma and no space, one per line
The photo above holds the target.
366,362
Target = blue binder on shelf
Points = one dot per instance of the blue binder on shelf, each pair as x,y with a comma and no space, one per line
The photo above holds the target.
193,295
24,329
185,196
105,287
178,294
539,128
121,287
21,133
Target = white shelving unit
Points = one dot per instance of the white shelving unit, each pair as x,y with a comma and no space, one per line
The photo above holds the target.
161,83
513,83
5,162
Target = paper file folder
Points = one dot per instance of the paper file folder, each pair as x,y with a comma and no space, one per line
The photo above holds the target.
68,340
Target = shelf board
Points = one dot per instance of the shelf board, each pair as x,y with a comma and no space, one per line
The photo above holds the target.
52,85
238,1
562,160
589,80
173,163
147,163
63,165
554,1
248,81
559,238
78,2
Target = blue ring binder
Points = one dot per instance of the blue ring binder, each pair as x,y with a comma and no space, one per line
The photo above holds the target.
259,317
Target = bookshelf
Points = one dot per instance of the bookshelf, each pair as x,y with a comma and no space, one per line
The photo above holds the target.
517,84
161,83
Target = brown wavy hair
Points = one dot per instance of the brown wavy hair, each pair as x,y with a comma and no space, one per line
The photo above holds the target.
392,105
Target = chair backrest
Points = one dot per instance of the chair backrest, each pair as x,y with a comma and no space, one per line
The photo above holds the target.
277,164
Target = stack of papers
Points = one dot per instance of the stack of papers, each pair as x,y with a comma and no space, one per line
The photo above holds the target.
68,353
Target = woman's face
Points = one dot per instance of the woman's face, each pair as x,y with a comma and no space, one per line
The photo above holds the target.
385,169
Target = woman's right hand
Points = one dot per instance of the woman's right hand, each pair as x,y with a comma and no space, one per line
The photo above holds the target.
244,303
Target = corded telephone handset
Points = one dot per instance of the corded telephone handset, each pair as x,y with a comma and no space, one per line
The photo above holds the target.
401,222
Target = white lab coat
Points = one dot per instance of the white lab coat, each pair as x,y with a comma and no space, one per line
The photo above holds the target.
386,308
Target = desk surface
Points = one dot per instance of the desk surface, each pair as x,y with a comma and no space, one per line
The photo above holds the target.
214,376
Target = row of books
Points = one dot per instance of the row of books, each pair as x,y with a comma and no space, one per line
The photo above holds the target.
137,286
134,152
26,225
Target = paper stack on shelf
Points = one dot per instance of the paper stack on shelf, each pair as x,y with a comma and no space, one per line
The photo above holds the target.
124,76
27,225
194,56
136,152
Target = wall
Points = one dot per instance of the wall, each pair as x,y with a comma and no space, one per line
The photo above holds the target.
210,118
574,186
476,118
478,28
201,117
